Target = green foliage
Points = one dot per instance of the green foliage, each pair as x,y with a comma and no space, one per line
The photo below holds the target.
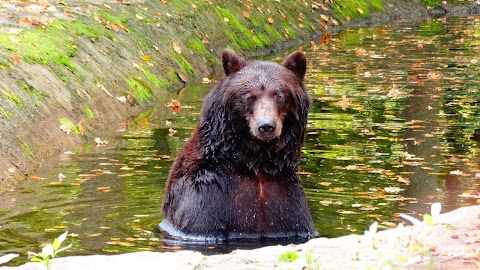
158,82
12,97
70,124
272,32
352,9
291,34
288,257
28,150
140,89
404,249
240,35
50,251
29,89
183,63
89,113
197,45
5,114
45,46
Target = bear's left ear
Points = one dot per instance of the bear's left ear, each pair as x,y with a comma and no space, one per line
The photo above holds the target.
297,63
231,62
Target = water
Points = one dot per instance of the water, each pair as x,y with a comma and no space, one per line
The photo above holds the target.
394,127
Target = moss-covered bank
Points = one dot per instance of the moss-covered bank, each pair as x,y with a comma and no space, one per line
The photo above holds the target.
73,68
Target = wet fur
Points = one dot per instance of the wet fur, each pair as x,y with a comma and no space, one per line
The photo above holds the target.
227,183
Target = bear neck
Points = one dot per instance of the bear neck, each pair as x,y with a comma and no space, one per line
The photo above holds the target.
236,149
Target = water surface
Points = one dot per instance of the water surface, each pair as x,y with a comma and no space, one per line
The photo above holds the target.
394,127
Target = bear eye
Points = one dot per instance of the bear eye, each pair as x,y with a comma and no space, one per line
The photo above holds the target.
250,98
279,96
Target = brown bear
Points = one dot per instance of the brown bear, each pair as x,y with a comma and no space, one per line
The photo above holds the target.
236,177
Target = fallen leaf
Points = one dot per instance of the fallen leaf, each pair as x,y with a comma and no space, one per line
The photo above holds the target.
392,189
245,14
183,77
36,178
122,99
66,128
171,132
325,18
270,20
99,85
206,80
99,142
145,57
177,48
16,58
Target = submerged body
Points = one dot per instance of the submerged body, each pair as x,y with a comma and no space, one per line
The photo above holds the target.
236,177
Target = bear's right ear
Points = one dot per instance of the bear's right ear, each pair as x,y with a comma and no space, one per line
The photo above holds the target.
231,62
296,63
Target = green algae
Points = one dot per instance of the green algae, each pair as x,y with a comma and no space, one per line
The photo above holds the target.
198,46
272,31
5,114
12,97
140,89
28,150
68,122
89,113
183,63
158,82
240,35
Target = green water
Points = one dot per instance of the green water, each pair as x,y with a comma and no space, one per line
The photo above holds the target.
404,136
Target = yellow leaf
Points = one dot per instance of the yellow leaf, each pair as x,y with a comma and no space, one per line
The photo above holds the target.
177,48
145,57
325,18
245,14
360,10
270,20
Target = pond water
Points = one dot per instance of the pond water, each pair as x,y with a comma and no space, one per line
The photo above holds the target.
393,128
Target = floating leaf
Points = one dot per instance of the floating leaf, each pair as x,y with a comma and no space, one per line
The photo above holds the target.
345,102
171,132
174,105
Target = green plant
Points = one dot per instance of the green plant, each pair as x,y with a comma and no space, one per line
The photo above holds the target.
89,113
66,124
311,264
50,251
405,248
288,257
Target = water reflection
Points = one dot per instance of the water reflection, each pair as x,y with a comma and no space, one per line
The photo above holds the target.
395,110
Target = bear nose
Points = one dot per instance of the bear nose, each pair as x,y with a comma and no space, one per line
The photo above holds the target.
266,126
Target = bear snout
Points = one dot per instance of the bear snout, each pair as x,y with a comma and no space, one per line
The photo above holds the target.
266,127
265,123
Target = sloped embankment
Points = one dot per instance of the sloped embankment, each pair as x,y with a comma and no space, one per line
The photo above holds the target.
72,68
